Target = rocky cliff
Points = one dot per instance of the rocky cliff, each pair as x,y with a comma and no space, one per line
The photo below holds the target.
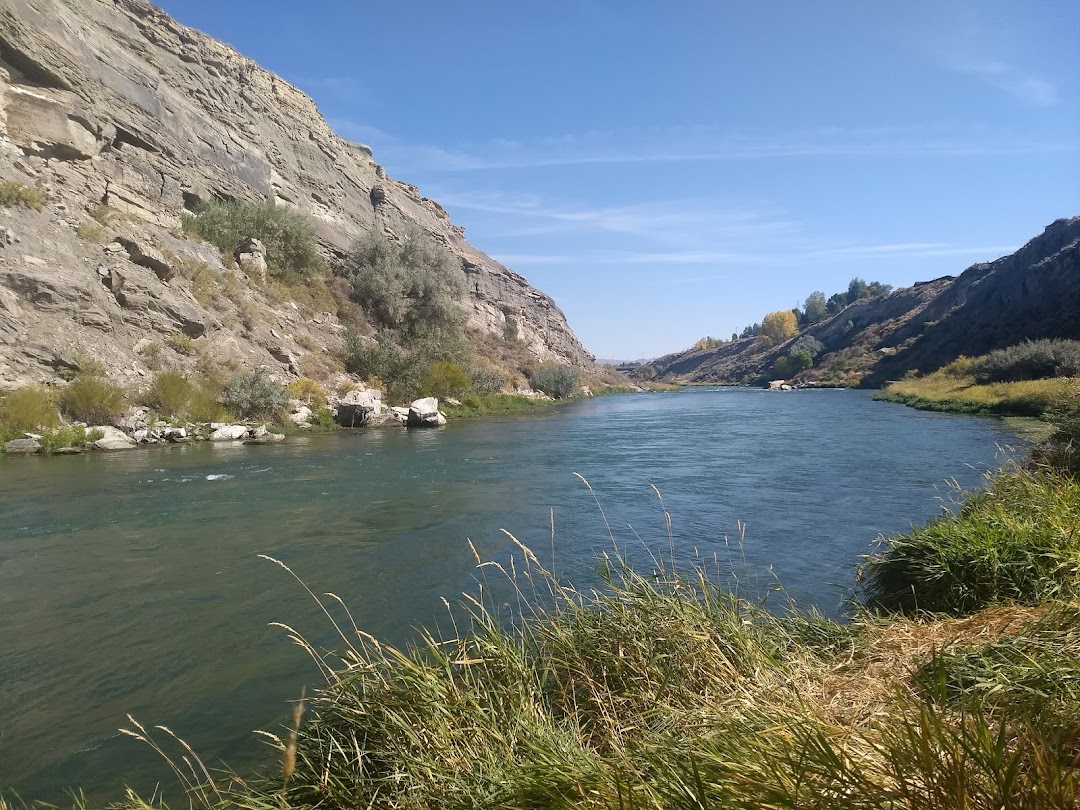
113,102
1033,293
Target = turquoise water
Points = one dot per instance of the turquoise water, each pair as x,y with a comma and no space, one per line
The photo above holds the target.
130,583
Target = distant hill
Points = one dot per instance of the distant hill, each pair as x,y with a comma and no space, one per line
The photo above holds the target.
1033,293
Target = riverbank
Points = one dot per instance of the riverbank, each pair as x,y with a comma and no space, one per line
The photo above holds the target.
662,690
939,392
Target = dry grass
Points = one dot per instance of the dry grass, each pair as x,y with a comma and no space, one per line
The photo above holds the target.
861,687
942,392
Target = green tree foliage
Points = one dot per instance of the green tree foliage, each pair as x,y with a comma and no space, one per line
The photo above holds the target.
446,379
779,326
556,381
816,307
409,287
751,331
1031,360
857,290
256,396
808,344
289,238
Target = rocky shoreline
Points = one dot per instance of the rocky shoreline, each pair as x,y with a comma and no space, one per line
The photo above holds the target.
141,427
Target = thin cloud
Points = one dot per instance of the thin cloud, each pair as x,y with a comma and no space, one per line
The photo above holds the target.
705,144
1022,86
779,258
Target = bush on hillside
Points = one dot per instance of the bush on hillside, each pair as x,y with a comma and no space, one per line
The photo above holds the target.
14,193
559,382
1031,360
446,379
308,391
410,287
169,393
292,251
29,409
256,396
93,399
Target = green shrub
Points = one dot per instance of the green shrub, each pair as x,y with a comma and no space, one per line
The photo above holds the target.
29,409
180,343
445,379
559,382
92,399
256,396
1031,360
92,232
288,236
169,392
14,193
309,392
409,287
68,436
1016,542
401,371
487,380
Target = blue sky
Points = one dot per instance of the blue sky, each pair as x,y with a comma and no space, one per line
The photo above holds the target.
668,170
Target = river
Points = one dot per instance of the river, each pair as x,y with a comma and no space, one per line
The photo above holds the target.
130,583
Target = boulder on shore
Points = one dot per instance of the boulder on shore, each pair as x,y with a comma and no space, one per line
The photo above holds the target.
227,433
113,439
425,413
22,447
357,408
266,438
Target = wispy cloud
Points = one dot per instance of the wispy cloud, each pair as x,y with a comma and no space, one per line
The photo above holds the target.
782,256
701,144
1012,80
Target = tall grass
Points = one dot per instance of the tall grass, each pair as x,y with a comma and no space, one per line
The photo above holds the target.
1016,542
944,392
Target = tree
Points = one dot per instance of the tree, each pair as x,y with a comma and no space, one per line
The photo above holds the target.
734,336
817,307
857,288
779,326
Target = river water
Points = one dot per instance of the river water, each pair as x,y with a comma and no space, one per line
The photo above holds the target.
130,583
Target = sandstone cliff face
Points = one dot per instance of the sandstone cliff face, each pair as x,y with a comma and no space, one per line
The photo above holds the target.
1033,293
113,101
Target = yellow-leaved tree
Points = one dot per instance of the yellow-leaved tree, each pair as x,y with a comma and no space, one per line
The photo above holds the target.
779,326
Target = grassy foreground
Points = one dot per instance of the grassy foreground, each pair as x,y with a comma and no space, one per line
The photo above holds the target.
940,392
663,690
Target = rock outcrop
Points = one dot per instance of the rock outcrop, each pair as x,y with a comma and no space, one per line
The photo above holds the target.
1033,293
113,102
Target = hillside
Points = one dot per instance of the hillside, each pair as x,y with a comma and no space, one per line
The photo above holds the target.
120,120
1033,293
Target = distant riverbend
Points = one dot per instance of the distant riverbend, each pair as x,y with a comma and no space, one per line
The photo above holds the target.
130,582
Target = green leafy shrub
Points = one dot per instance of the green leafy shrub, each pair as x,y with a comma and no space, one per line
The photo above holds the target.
169,392
92,232
29,409
1031,360
446,379
383,359
487,380
69,436
556,381
958,369
292,250
256,396
409,287
180,343
13,193
1016,542
93,399
308,391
